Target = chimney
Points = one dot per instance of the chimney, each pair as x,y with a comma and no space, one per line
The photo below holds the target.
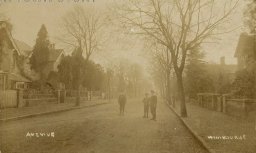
52,46
222,61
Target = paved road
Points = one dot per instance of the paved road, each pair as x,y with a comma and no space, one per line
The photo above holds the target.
100,130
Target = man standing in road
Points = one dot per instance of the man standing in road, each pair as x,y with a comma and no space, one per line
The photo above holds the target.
153,103
146,105
122,101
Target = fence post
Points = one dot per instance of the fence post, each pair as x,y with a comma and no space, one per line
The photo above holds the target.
58,96
212,102
224,103
78,97
62,96
19,98
245,107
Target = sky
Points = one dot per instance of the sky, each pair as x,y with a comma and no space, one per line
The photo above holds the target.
28,15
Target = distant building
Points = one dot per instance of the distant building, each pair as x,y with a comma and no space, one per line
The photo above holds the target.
55,57
246,51
245,82
10,74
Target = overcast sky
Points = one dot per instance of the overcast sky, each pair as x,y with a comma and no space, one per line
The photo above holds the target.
27,17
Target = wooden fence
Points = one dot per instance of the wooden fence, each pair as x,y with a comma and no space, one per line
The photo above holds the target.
25,98
226,103
36,97
8,99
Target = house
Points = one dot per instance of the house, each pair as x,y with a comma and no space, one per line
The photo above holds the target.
222,75
10,74
246,51
55,57
24,48
51,68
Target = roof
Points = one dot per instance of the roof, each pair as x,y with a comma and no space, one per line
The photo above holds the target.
22,45
246,45
55,54
3,24
217,68
24,48
17,78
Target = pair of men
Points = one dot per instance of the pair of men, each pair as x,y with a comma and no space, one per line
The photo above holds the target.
150,102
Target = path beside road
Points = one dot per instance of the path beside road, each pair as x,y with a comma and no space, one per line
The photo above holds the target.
46,108
221,133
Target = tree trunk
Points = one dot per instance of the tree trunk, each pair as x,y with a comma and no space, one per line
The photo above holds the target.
109,89
78,86
168,91
78,97
183,109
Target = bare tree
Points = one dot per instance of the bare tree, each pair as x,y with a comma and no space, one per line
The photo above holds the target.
180,25
83,28
161,56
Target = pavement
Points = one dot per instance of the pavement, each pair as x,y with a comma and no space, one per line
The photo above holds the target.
100,130
10,114
218,132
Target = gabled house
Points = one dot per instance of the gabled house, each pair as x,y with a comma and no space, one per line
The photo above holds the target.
246,51
51,68
245,83
55,57
10,76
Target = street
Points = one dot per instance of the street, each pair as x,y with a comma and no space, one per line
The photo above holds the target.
100,130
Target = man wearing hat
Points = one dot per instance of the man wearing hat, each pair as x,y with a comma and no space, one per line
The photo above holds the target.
146,100
153,103
122,101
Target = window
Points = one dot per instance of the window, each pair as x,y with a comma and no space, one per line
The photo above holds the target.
20,85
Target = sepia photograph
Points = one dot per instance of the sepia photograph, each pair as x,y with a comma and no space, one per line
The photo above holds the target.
127,76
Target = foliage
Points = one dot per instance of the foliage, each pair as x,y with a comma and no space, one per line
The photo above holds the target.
74,70
244,84
4,38
40,55
65,72
93,76
250,16
197,78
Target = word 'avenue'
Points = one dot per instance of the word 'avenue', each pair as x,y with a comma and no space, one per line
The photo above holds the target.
40,134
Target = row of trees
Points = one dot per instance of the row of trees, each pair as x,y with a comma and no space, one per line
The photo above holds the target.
181,26
74,71
82,30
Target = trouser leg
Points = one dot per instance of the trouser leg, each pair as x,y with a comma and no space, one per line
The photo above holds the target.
120,108
154,112
147,108
123,106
